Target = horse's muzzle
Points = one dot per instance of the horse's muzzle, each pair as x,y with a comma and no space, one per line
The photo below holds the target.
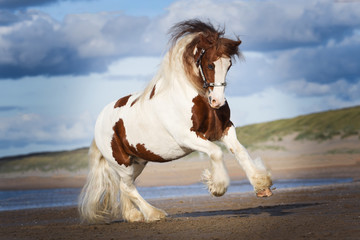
215,103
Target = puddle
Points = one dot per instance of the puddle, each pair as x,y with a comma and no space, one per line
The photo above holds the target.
27,199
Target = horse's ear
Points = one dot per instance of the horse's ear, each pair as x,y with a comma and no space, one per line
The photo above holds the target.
236,42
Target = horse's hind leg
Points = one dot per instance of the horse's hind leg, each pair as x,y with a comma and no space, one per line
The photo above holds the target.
129,211
134,207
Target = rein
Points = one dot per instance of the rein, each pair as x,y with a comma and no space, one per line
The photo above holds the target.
206,83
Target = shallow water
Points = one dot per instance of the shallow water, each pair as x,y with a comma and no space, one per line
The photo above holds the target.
26,199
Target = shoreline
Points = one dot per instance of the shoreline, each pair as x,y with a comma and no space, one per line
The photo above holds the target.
50,182
67,197
188,171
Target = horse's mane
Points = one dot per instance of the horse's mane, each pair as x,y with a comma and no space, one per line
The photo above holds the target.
186,38
184,28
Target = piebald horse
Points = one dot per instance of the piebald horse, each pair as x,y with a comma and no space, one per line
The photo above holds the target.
183,109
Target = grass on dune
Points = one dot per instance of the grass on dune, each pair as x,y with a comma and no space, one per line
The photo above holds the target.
316,127
46,162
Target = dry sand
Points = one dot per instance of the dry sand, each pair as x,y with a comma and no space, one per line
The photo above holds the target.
327,212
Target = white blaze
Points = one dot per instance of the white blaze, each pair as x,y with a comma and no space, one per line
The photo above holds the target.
218,93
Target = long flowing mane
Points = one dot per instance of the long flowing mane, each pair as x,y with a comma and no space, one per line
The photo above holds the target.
185,39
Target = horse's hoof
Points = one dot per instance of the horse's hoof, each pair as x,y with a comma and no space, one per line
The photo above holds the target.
216,188
264,193
156,215
136,217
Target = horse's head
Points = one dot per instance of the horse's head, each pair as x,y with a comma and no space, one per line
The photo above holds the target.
213,60
207,58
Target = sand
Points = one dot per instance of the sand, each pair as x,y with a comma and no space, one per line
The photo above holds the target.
326,212
331,212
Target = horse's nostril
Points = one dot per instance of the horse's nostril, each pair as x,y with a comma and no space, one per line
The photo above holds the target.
213,101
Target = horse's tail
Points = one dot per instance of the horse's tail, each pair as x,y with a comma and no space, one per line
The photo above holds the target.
99,198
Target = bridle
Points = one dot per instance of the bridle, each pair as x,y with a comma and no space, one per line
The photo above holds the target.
206,83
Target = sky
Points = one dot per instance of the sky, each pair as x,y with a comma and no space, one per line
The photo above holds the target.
62,61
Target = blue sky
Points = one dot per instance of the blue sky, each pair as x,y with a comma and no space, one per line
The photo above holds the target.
62,61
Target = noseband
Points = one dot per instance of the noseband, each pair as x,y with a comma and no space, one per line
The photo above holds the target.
206,83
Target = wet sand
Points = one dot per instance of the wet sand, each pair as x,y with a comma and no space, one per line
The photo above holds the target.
328,212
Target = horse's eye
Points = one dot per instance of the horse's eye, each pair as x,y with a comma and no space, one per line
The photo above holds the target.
211,66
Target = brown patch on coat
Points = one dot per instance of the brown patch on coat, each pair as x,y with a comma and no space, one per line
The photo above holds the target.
122,101
122,150
209,123
134,102
147,154
208,38
120,145
152,92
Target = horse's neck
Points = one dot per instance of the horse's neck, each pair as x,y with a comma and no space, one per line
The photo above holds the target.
171,79
178,81
182,87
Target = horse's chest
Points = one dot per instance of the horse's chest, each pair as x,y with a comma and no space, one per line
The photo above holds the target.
209,123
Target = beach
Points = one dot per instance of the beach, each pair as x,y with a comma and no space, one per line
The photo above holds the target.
313,212
331,212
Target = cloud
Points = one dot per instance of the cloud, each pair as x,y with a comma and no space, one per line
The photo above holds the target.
24,129
33,43
275,25
22,4
7,18
105,34
341,89
10,108
16,4
322,64
82,44
314,67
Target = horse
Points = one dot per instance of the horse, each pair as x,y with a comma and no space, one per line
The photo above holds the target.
183,109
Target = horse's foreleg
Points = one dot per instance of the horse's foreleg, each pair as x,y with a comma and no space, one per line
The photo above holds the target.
255,170
217,178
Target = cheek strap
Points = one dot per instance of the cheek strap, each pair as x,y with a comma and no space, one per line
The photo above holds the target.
206,83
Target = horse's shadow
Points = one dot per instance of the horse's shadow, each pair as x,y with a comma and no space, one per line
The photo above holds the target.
277,210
